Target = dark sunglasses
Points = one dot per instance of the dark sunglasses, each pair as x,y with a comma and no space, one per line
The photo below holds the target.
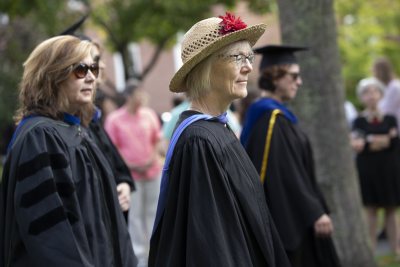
82,69
295,75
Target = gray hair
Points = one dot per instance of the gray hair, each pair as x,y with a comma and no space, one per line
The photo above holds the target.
198,79
366,83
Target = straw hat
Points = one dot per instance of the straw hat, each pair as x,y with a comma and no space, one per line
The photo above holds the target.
208,36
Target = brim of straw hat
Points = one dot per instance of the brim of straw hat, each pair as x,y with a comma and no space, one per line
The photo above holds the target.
251,34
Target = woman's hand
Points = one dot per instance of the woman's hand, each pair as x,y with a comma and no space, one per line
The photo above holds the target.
323,226
124,196
378,142
357,144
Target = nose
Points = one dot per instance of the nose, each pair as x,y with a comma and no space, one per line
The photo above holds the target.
247,66
90,76
299,81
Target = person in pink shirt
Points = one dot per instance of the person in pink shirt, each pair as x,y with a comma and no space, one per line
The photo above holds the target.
136,132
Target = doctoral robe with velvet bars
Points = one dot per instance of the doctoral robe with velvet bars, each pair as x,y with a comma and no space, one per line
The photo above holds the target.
58,201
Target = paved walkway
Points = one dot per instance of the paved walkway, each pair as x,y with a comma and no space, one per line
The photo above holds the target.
382,247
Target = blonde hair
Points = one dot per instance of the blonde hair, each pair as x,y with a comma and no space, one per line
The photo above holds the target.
48,66
198,79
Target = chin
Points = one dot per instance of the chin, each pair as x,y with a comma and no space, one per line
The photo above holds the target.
241,93
83,103
287,98
293,96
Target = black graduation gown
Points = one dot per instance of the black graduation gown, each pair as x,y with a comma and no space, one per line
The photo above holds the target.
58,203
293,196
215,212
121,172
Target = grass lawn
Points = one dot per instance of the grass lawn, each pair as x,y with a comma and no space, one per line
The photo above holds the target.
385,257
387,261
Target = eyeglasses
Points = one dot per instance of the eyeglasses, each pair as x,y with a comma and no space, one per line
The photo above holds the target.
241,59
96,58
295,75
82,69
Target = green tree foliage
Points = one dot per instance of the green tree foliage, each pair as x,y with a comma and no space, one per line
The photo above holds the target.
44,16
367,29
16,40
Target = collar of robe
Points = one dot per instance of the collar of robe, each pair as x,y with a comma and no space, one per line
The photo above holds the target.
257,109
68,118
71,119
222,118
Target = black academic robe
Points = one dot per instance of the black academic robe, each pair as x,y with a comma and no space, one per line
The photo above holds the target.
121,172
215,211
120,169
58,201
292,194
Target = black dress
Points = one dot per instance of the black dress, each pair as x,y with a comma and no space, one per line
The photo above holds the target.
292,194
215,210
379,171
58,202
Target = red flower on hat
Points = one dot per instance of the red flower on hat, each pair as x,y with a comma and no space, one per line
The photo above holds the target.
230,23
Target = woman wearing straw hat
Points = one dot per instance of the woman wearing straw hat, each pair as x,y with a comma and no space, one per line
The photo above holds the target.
212,210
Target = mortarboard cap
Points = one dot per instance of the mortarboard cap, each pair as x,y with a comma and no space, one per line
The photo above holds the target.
73,28
273,55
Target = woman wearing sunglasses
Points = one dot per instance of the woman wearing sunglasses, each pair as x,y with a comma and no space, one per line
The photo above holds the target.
58,203
282,155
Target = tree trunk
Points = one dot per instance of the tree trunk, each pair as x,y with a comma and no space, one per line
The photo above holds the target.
320,107
127,61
